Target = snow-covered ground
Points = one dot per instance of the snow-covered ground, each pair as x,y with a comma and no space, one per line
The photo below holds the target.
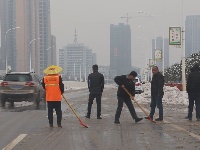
74,85
172,95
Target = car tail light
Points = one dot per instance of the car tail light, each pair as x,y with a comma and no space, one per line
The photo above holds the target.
30,84
138,84
4,83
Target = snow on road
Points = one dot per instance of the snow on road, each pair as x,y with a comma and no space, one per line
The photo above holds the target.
74,85
172,95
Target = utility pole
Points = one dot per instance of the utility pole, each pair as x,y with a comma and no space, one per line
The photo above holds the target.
183,51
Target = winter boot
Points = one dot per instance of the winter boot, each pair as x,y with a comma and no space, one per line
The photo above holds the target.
159,119
87,116
59,126
116,122
138,119
99,117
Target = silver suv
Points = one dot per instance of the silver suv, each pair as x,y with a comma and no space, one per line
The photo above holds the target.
21,86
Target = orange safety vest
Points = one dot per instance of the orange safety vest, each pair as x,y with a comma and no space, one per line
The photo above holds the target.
52,88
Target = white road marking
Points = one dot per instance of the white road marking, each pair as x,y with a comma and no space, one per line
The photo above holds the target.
14,142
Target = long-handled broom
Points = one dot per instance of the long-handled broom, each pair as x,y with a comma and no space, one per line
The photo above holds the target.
85,125
139,105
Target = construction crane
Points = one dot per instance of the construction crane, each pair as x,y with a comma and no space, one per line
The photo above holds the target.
127,18
140,12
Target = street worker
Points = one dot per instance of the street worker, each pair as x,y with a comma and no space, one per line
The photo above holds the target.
126,81
157,93
54,88
95,86
193,90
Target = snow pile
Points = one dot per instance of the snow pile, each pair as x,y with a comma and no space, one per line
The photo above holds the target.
172,95
74,85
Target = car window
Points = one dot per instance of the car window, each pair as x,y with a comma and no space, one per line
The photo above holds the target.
18,77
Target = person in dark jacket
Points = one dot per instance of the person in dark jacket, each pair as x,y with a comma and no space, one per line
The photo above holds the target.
125,81
95,86
193,90
157,93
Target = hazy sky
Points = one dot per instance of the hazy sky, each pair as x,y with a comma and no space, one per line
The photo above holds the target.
92,19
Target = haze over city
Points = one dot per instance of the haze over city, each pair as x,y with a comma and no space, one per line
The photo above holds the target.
138,59
92,20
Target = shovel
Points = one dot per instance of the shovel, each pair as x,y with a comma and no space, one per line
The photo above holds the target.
85,125
138,105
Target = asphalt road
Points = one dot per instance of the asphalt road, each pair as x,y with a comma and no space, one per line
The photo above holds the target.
25,127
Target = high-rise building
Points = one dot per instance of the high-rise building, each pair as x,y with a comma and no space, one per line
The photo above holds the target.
192,35
61,58
94,58
53,50
77,60
19,26
159,46
45,35
120,49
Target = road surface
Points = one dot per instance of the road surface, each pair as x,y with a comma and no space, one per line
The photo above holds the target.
25,127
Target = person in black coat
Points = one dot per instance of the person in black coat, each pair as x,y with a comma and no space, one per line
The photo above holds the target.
126,81
193,90
95,86
157,93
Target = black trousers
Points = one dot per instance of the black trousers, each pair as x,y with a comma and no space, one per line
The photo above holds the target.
57,106
92,96
194,97
129,104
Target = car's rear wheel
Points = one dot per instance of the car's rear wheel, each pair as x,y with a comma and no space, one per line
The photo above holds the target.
12,104
3,102
37,101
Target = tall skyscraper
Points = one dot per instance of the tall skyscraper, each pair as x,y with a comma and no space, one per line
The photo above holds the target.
120,49
18,28
45,35
29,45
53,50
192,35
159,46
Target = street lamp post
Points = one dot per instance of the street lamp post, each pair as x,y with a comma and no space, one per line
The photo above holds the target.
183,51
151,52
30,57
75,68
84,69
6,45
80,72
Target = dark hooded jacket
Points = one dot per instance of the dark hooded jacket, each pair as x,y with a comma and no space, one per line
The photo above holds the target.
157,84
193,81
129,85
